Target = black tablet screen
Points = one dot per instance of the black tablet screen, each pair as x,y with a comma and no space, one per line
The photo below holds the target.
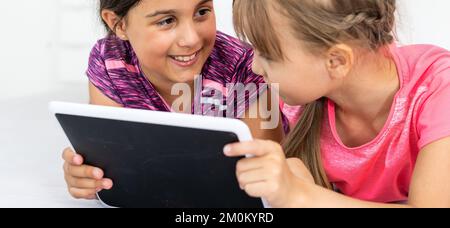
159,166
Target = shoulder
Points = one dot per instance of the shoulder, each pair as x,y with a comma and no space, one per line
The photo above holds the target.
229,58
420,60
113,48
426,77
423,67
230,50
231,46
113,70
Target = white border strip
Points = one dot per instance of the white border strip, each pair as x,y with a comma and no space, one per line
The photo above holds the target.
154,117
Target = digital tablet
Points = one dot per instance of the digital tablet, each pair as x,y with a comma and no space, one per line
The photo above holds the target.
158,159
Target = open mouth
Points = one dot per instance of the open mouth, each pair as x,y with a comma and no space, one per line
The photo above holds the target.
185,60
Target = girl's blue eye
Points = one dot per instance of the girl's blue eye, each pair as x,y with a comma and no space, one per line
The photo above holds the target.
203,12
166,22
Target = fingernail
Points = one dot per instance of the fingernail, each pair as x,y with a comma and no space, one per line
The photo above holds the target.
227,149
97,173
107,184
76,159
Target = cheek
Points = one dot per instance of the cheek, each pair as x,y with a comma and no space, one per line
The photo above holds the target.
311,84
299,83
159,43
152,48
284,74
208,31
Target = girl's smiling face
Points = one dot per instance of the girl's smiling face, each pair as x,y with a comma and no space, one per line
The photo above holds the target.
172,38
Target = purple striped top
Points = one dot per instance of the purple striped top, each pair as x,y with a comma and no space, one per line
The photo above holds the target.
114,69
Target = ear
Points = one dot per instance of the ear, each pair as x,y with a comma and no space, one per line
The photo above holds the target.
115,23
340,60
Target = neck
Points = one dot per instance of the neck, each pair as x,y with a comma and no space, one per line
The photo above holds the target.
368,94
164,87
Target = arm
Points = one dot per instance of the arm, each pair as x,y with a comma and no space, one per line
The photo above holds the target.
98,98
277,183
430,186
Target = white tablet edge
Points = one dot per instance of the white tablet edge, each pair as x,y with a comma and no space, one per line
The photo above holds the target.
152,117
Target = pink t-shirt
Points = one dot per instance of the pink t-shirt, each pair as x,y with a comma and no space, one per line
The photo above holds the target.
381,170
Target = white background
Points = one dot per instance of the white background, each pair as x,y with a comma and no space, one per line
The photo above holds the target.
48,41
44,47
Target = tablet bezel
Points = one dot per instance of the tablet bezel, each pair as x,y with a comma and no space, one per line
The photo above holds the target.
154,117
151,117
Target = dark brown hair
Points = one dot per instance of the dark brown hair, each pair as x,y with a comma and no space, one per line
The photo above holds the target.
119,7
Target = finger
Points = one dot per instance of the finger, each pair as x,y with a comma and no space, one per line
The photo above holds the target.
71,157
66,168
88,183
77,160
85,171
256,148
68,154
251,177
79,193
247,164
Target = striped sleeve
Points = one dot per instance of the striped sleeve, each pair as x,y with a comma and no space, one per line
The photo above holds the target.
98,74
251,81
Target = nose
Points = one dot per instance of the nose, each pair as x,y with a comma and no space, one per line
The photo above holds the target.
189,36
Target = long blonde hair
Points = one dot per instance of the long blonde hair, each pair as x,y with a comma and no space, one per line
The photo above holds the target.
319,24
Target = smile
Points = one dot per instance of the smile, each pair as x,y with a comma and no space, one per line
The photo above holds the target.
184,58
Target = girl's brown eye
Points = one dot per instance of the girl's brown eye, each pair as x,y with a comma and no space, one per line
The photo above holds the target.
166,22
203,12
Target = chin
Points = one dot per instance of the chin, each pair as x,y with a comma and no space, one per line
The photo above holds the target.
184,77
292,102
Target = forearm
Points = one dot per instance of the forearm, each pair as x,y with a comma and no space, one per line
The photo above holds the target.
313,196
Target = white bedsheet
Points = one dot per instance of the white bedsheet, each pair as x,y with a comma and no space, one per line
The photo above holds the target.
30,151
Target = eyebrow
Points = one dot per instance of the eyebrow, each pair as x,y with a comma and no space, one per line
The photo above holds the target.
203,2
164,12
161,12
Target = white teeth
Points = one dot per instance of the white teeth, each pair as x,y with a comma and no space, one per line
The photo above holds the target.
185,58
